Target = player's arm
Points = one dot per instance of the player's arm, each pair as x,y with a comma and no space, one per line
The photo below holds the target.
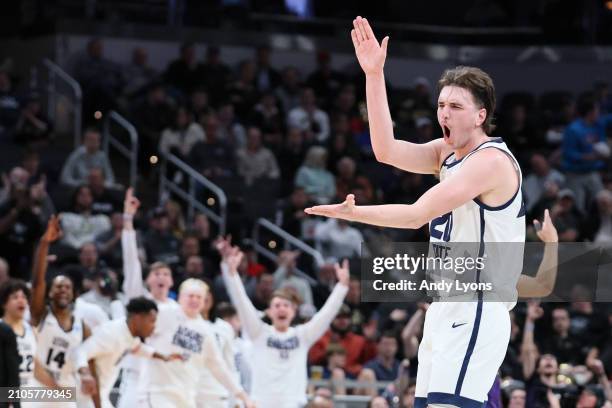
133,285
217,366
543,283
231,258
416,158
320,322
463,186
529,350
43,376
39,285
84,360
413,327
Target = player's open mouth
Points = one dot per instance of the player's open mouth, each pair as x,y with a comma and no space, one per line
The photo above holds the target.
446,131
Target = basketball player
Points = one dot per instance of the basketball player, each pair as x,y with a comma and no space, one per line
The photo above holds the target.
14,296
159,281
279,351
175,383
114,340
478,200
59,331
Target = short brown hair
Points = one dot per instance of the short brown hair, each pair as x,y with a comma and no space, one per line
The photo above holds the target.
286,294
480,85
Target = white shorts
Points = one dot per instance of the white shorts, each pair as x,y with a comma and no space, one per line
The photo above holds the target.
128,395
463,346
211,402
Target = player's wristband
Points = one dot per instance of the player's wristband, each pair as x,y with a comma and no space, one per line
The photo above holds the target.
127,217
529,326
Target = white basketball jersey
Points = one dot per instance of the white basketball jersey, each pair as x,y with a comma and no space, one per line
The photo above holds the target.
26,346
56,346
477,223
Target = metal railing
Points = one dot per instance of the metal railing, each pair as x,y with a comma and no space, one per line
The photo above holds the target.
288,241
194,180
129,152
55,72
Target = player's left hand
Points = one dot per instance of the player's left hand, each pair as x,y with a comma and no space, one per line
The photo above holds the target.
546,230
343,210
88,384
342,272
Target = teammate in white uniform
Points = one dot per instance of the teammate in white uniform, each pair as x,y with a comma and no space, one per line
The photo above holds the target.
59,330
175,384
14,295
478,200
279,350
112,341
159,281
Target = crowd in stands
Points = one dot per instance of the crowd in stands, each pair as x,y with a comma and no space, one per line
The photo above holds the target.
296,139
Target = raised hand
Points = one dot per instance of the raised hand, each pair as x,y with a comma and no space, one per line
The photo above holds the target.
233,259
342,272
534,311
546,230
54,231
344,210
223,246
131,203
370,54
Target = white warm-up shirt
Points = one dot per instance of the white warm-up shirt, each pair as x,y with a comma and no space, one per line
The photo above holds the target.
193,338
279,359
107,347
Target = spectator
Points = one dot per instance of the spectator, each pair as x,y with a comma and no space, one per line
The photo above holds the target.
194,268
314,178
325,80
105,200
229,127
378,402
182,136
175,218
262,293
151,115
255,162
535,183
346,104
201,229
84,158
138,74
309,118
288,92
599,225
562,344
213,157
566,217
385,367
267,78
338,238
109,242
293,216
9,106
268,117
80,225
21,222
517,398
33,128
342,142
326,279
84,273
190,246
285,276
105,293
357,350
516,128
584,150
182,73
100,78
347,179
242,92
159,242
214,74
290,158
199,105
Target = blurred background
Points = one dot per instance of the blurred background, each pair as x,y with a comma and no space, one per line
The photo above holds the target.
232,116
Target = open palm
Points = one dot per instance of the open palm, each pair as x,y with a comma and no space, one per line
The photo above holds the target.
370,53
343,210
